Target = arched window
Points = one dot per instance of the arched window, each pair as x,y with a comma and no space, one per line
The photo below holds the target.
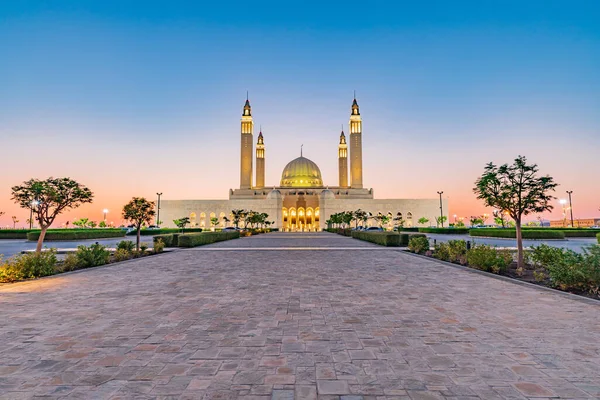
202,219
222,219
193,222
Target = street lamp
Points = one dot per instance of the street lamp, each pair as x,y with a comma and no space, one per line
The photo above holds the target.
158,210
441,209
34,203
105,211
570,192
563,202
454,219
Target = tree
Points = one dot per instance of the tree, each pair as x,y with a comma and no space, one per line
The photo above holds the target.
92,224
359,216
81,223
518,190
238,215
181,223
53,196
225,220
138,211
214,221
399,220
440,220
102,224
476,221
423,220
15,220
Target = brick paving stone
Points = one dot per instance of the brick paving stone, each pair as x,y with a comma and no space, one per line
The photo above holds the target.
367,322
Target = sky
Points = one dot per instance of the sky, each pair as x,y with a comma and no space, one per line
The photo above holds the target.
132,98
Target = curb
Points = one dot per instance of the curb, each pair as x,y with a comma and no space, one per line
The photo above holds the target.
571,296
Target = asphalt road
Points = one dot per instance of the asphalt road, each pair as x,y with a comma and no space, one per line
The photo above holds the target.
14,246
10,247
576,244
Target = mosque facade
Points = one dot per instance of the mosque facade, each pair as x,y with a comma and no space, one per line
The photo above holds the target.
301,201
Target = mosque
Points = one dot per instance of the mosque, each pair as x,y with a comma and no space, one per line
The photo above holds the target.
301,202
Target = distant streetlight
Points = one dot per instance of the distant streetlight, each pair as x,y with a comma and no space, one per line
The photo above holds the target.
570,192
563,203
158,210
34,203
105,211
441,209
455,218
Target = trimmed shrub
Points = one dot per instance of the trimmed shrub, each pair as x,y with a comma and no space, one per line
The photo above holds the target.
446,231
406,237
166,239
388,239
163,231
441,251
544,255
457,251
411,229
92,256
69,263
14,233
122,255
575,271
201,239
580,232
512,233
159,246
76,234
29,265
598,238
126,245
418,244
488,258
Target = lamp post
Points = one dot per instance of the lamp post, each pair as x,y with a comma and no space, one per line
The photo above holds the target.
570,192
105,211
158,210
454,218
34,203
563,202
441,209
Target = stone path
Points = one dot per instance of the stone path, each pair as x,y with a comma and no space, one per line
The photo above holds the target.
262,322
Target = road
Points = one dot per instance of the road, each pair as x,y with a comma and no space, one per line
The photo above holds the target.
576,244
10,247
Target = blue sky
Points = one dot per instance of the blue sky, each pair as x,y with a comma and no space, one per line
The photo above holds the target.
439,83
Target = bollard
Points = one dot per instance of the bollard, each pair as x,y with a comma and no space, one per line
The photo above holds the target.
468,245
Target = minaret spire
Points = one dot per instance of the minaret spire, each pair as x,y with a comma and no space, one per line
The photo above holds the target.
355,146
301,150
260,161
343,160
247,129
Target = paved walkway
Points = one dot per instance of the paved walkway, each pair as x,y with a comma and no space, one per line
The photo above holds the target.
262,322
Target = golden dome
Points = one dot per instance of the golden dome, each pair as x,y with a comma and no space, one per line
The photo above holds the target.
301,172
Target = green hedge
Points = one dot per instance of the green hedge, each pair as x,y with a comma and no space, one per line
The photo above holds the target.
76,234
15,233
167,239
200,239
163,231
405,238
411,229
447,231
598,238
580,232
388,239
512,233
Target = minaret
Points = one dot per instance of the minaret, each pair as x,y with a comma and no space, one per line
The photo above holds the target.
356,180
260,161
343,161
246,154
